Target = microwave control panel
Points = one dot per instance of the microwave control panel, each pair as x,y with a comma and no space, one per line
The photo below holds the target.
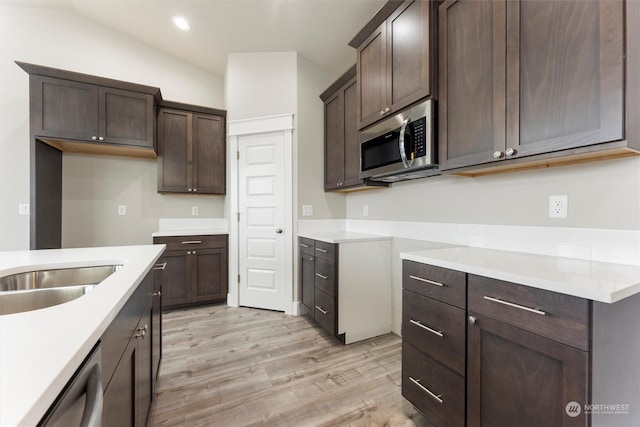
419,137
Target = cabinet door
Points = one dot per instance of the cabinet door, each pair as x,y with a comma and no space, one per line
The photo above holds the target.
156,328
307,274
144,357
209,154
334,141
518,378
176,277
209,267
119,409
126,117
565,79
64,109
351,136
174,157
409,55
472,49
372,77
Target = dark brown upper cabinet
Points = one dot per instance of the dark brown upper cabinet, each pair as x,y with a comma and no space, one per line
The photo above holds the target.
191,149
395,59
531,78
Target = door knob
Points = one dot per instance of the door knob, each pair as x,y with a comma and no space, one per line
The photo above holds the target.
279,230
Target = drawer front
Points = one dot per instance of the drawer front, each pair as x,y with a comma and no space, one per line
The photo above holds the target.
435,282
562,318
435,328
436,391
325,311
306,245
177,243
325,251
325,278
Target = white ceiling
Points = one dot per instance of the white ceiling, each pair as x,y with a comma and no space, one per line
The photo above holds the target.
317,29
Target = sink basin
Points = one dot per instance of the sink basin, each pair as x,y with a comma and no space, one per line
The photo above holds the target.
34,290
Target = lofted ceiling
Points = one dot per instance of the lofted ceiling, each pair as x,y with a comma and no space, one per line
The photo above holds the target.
317,29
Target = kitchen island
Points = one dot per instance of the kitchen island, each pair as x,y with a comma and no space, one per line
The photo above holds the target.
40,350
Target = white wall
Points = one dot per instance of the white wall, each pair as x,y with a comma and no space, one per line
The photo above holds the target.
61,39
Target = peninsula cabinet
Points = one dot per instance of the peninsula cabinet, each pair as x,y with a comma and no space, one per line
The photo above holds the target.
528,81
395,59
196,270
346,285
191,149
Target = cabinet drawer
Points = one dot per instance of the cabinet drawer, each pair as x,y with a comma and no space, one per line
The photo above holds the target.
306,245
437,392
562,318
325,251
175,243
325,311
435,282
325,278
436,328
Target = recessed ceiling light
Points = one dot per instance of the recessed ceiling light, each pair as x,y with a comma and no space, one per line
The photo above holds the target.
181,23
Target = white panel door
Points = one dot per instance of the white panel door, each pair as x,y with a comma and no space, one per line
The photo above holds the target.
262,217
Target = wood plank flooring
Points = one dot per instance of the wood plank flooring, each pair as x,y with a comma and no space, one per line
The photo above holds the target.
230,367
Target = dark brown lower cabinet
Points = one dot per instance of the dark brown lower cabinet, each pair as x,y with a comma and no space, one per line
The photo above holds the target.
129,388
196,270
517,378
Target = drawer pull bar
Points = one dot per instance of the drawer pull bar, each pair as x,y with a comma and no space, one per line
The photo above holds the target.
433,331
303,245
521,307
192,242
160,266
321,310
417,382
321,250
321,276
426,280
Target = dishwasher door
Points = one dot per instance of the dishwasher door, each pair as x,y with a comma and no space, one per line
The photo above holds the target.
80,402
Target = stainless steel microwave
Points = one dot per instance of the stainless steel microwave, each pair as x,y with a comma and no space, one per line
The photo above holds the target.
401,146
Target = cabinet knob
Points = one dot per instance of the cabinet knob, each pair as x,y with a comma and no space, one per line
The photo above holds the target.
472,320
279,230
387,109
188,252
94,138
382,112
497,154
189,189
193,252
195,189
510,152
101,138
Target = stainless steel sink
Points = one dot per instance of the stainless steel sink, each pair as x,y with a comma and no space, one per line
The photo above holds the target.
33,290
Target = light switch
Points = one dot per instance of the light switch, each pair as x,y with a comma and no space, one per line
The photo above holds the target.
23,209
194,210
307,210
122,209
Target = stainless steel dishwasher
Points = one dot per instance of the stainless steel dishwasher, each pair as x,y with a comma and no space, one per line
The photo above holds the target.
80,402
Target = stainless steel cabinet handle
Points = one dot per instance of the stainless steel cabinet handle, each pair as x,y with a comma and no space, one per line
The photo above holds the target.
101,138
472,320
193,252
521,307
433,331
497,154
510,152
382,112
417,382
321,276
195,189
160,266
321,250
192,242
94,138
157,294
387,109
189,189
92,414
279,230
303,245
420,279
321,310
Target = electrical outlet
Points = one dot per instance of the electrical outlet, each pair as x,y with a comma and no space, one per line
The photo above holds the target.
558,206
23,209
365,210
307,210
122,209
194,210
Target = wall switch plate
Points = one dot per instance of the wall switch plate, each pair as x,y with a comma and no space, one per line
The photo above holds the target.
23,209
558,206
307,210
365,210
194,210
122,209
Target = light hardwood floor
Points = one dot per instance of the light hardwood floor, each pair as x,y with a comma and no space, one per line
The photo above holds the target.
232,367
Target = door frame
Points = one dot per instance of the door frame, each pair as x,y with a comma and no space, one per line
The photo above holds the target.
282,124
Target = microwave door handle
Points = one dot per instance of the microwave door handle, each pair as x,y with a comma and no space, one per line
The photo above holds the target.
403,154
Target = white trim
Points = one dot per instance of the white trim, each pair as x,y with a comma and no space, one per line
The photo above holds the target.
280,123
260,125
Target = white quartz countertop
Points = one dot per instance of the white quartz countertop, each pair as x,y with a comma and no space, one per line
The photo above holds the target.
598,281
342,236
194,232
41,349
